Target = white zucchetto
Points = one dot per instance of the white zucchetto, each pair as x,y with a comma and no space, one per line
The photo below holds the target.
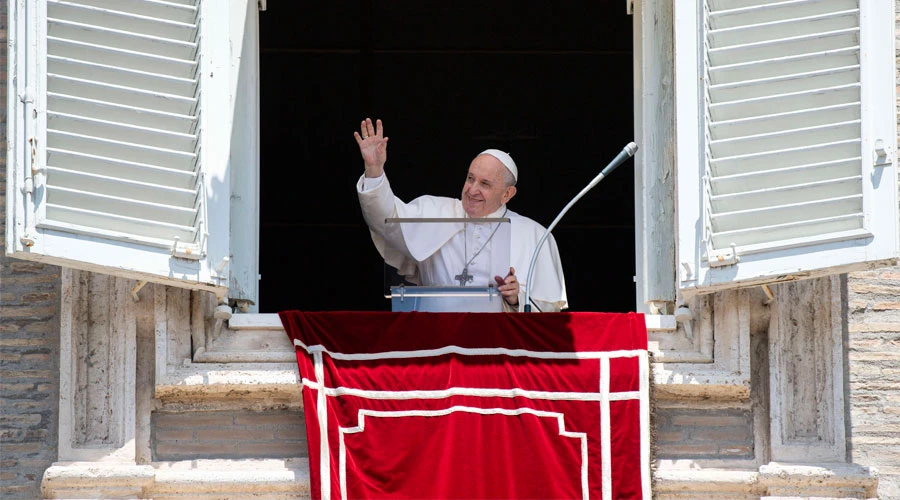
505,159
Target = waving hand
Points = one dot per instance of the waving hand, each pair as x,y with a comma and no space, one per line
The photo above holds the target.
372,146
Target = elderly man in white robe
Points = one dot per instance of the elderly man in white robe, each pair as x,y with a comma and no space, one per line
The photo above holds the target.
434,259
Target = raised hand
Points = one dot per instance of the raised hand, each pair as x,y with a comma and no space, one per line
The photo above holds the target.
509,287
372,146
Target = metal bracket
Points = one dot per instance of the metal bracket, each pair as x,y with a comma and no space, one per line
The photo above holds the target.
137,288
723,257
884,155
186,250
27,96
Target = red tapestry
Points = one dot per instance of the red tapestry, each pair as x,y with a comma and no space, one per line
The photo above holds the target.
474,405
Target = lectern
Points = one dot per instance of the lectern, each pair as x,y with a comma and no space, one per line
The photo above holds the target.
445,264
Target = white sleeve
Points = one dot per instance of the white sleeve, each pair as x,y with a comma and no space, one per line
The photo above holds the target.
371,182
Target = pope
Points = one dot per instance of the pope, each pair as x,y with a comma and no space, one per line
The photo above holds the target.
435,258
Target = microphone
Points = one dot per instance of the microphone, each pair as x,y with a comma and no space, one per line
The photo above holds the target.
626,153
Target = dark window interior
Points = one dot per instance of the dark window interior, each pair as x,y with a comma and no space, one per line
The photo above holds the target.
549,82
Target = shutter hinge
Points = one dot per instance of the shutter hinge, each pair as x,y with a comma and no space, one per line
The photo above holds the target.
261,4
883,154
629,7
723,257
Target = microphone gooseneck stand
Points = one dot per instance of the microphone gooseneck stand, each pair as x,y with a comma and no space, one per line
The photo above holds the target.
626,153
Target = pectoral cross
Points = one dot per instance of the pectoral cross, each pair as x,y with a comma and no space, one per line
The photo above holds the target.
464,277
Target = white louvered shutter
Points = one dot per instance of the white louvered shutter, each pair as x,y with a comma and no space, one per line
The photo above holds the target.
786,139
108,140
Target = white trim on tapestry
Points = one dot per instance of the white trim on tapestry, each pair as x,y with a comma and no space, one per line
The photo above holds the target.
468,409
465,351
644,390
472,391
605,439
322,414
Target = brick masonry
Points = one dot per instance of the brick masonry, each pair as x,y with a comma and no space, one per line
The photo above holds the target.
689,433
228,434
873,325
29,350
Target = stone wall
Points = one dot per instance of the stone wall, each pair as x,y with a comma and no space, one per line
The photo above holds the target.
29,346
874,374
873,325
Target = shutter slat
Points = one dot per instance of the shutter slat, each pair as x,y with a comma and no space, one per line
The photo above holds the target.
130,59
114,226
787,157
822,23
784,47
781,122
118,94
754,239
758,106
155,26
165,10
782,140
770,68
780,85
116,205
142,117
121,187
142,80
773,11
125,40
797,193
121,132
786,213
775,178
135,153
112,167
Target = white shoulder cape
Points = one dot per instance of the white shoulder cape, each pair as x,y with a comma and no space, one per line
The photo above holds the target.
549,281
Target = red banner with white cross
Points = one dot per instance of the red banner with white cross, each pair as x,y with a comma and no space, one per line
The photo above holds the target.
474,405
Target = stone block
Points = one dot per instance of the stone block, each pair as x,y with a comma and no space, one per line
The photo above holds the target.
235,434
279,419
174,434
298,432
279,449
708,420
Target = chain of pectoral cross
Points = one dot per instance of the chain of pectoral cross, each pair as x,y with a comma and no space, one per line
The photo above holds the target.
464,277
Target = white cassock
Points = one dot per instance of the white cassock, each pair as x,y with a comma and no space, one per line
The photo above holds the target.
436,255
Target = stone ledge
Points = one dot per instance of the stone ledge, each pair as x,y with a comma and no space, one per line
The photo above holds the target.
273,381
253,357
688,381
771,480
194,479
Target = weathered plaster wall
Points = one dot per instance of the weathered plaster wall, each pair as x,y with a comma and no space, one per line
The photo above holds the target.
29,346
873,325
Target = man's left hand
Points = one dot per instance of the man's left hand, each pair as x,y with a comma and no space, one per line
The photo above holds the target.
509,287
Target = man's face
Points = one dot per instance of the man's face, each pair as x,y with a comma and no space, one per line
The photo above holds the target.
485,189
